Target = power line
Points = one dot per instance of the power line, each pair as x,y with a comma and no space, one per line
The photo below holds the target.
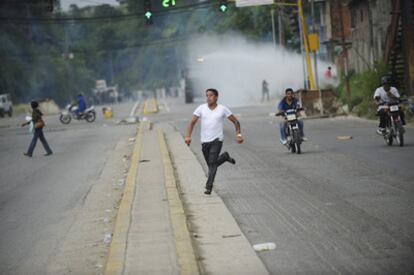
72,20
166,41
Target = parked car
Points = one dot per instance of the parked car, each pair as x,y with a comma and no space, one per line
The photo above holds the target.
5,105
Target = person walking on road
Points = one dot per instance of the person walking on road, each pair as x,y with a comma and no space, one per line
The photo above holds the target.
265,91
38,125
212,116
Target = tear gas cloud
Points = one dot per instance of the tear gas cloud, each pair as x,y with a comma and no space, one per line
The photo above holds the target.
236,68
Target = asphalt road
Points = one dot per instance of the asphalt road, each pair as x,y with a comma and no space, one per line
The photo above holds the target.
343,206
40,197
340,207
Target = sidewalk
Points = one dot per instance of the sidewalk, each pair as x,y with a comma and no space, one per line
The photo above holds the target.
165,224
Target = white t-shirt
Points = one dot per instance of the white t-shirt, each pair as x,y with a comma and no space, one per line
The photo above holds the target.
383,94
212,121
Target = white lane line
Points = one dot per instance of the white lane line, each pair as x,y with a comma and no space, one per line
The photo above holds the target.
167,108
134,109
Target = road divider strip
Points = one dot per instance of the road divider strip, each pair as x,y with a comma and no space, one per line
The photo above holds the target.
150,106
117,250
185,251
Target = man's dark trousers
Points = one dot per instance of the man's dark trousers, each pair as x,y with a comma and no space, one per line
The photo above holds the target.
211,151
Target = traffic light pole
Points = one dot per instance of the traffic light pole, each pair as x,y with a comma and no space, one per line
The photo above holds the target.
315,52
306,45
304,38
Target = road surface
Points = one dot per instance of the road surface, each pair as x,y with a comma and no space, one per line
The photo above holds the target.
43,200
343,206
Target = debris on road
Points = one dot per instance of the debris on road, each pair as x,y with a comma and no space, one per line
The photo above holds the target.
264,246
231,236
121,182
129,120
107,238
344,137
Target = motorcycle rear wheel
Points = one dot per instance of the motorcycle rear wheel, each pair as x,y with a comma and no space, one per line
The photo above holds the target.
90,117
65,119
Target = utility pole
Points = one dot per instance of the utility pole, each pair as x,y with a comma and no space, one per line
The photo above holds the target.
315,53
272,13
302,52
344,48
281,30
306,45
304,42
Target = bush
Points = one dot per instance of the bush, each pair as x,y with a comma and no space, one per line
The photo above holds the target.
362,88
20,109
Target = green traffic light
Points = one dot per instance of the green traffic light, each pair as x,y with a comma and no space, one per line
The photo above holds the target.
223,8
168,3
148,14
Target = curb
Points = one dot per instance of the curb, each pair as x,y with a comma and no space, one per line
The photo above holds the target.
116,256
185,251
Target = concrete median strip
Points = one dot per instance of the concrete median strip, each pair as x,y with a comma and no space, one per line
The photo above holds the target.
150,106
185,252
151,234
117,250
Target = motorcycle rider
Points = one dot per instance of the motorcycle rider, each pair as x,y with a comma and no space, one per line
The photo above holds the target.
81,105
289,102
386,94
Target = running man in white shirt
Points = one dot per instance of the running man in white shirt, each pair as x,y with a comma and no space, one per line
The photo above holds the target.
212,116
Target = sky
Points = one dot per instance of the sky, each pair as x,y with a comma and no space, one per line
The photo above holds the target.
82,3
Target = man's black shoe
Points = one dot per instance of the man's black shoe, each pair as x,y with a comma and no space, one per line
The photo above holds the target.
27,155
207,192
48,154
229,159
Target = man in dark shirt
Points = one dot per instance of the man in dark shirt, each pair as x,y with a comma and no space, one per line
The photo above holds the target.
289,102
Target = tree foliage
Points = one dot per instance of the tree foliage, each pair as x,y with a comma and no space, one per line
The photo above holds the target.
35,45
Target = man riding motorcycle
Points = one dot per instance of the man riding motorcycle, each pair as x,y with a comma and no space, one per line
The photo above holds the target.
289,102
81,105
386,94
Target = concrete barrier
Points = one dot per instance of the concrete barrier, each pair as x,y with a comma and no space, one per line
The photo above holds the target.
317,103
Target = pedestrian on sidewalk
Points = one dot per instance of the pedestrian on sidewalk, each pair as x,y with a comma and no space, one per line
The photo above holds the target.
212,116
38,125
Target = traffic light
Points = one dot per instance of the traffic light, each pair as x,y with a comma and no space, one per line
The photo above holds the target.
148,12
294,22
168,3
223,6
49,5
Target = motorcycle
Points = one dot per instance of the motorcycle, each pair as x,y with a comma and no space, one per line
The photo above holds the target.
394,130
70,112
294,140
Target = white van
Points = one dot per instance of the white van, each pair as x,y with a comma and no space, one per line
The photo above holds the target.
5,105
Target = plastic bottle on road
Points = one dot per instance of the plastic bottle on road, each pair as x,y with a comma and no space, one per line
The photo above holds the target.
264,246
